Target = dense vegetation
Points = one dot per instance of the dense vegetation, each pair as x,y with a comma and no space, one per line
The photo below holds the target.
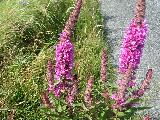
29,31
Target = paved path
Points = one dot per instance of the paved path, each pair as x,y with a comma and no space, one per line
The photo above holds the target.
117,14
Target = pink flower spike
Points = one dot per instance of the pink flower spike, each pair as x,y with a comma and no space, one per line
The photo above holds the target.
88,91
132,46
114,96
72,91
131,83
64,60
58,89
144,85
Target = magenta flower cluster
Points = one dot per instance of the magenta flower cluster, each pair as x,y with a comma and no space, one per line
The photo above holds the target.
131,83
58,88
119,101
64,55
72,91
132,46
130,55
64,58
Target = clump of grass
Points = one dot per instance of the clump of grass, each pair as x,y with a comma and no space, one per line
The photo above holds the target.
28,33
89,41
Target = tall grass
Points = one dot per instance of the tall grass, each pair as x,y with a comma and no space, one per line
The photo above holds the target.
29,30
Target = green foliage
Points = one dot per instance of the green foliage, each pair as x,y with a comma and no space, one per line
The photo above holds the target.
28,32
100,109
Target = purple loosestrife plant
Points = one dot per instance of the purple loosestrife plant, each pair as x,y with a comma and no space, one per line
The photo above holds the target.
58,88
140,11
132,46
145,84
68,104
64,59
64,64
140,92
120,95
105,94
134,38
45,100
130,54
87,93
65,51
70,24
72,92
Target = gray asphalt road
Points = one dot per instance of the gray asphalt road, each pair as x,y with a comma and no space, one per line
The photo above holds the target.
117,14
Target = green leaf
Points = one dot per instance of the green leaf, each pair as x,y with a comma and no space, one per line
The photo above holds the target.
131,100
130,112
121,114
88,116
78,105
51,95
59,108
102,114
143,108
115,111
64,107
84,107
